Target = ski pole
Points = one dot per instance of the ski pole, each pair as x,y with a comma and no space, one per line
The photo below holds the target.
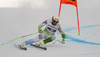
19,38
56,41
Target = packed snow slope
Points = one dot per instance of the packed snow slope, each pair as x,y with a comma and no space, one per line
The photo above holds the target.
15,23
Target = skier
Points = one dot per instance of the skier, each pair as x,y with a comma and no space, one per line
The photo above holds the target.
48,34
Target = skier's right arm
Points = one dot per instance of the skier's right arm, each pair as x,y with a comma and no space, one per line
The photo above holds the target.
41,25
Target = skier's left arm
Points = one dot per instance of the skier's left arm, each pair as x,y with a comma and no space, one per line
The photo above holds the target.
41,25
62,33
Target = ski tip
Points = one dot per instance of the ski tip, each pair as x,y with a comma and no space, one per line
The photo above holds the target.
25,48
45,48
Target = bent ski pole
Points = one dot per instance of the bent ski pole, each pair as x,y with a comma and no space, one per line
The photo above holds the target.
19,38
56,41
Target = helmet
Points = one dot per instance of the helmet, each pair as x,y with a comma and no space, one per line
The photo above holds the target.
55,19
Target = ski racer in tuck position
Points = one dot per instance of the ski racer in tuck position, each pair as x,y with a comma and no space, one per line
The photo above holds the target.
48,34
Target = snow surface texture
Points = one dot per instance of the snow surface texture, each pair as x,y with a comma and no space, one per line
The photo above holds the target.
17,22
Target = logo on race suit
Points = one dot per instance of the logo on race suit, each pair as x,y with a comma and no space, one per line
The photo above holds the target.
51,29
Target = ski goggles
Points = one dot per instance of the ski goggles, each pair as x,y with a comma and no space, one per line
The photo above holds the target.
55,21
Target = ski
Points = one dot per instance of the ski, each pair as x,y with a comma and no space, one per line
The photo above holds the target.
24,48
44,48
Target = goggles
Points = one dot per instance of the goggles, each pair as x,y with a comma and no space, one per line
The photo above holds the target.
55,21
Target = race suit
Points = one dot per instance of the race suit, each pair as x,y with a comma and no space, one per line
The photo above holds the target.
48,33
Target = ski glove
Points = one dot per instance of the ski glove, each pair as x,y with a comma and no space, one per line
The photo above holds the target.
40,31
63,41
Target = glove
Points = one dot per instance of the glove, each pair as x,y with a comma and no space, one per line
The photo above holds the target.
63,41
40,31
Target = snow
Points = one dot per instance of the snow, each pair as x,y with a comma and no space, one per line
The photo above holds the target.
17,22
70,49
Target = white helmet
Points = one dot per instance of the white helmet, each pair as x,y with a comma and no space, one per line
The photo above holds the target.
55,18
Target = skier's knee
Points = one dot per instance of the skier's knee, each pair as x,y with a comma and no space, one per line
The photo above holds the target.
50,39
